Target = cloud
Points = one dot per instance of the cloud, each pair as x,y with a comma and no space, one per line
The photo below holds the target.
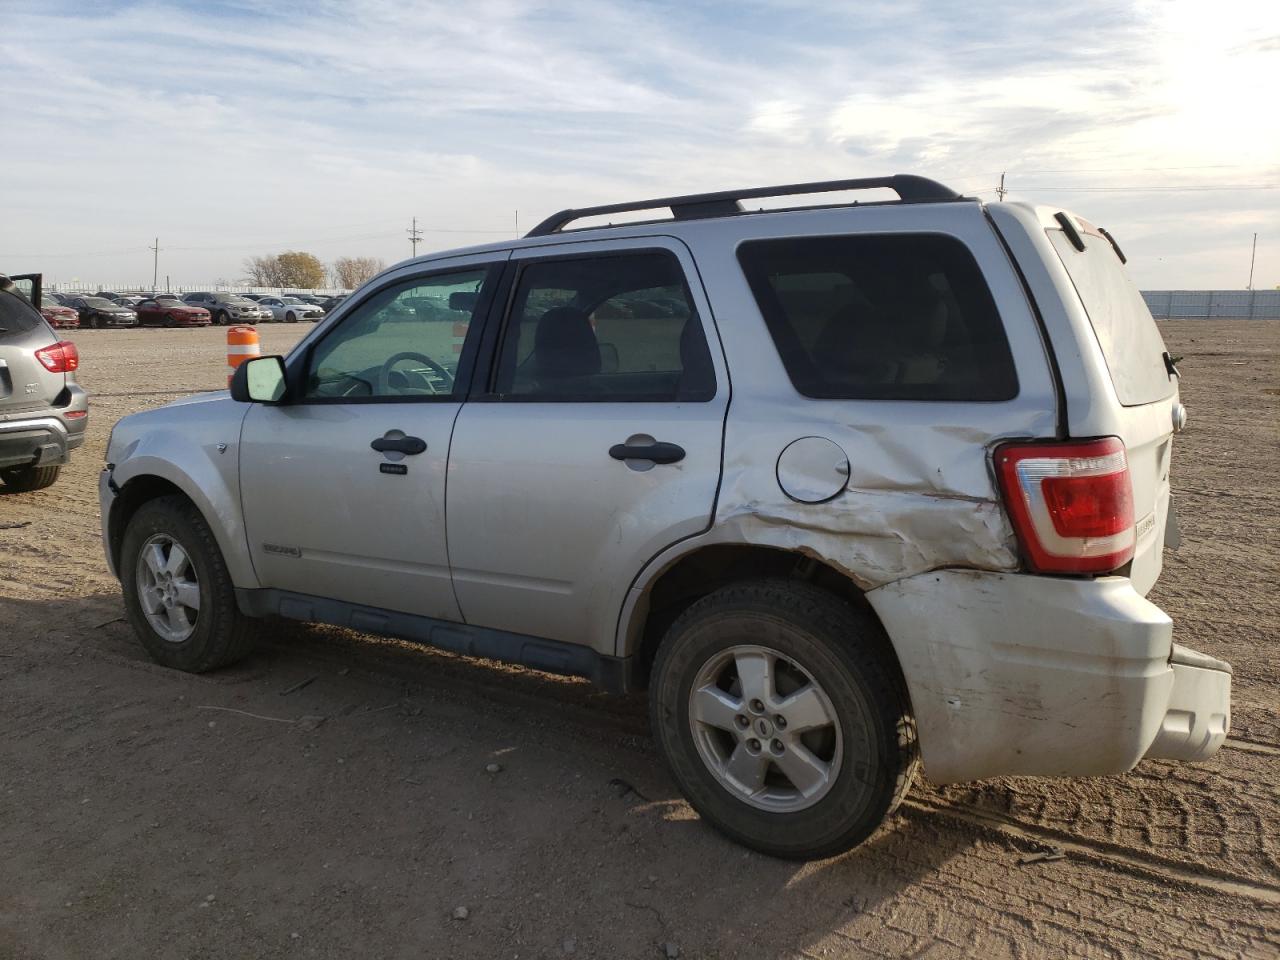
226,126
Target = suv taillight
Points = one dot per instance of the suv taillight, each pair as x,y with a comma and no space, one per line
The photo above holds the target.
1071,504
60,357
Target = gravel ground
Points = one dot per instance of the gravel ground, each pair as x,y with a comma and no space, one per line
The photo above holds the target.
146,813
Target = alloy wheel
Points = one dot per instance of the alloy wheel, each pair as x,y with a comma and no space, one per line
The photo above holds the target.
765,728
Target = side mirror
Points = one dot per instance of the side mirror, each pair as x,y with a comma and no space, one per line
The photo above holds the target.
260,380
463,301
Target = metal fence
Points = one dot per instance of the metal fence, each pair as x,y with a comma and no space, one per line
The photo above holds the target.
1213,304
135,288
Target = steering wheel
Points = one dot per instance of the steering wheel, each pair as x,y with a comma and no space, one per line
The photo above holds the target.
384,374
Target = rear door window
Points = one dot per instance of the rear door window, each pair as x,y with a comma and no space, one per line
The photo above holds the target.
881,317
1128,336
604,329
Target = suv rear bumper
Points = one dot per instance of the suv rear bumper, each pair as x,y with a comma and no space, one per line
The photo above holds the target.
1044,676
41,440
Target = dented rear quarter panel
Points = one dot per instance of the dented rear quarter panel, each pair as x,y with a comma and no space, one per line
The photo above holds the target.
920,494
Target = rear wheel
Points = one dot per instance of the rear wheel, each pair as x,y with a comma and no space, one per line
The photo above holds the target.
26,479
177,591
782,714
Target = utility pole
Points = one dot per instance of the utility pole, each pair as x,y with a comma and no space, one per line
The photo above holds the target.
155,263
517,224
1253,256
414,235
1000,190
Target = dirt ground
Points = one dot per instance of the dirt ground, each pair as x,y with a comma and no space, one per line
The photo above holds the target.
147,813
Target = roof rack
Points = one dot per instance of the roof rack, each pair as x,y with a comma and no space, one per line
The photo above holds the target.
725,203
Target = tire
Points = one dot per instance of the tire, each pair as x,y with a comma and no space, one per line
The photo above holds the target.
219,633
169,321
867,743
221,318
26,479
290,317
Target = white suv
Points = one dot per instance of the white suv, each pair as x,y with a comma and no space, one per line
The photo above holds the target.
847,488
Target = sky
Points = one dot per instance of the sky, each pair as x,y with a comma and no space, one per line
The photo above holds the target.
231,129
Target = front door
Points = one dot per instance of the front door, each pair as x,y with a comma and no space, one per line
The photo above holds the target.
343,487
595,442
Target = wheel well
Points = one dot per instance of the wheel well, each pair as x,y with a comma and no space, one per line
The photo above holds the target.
131,497
704,571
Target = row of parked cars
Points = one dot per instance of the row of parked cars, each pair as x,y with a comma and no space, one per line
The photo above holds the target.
106,309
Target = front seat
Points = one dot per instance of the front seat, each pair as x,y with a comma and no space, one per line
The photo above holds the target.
564,346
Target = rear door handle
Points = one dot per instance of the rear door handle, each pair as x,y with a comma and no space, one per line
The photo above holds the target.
657,451
409,445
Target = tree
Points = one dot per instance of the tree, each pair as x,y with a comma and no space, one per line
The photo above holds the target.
293,268
353,271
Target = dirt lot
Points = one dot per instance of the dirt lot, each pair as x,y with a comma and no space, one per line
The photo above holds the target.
145,813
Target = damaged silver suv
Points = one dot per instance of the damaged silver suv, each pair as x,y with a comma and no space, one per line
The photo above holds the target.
848,488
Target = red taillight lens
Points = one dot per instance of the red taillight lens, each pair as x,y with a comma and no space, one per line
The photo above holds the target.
60,357
1071,504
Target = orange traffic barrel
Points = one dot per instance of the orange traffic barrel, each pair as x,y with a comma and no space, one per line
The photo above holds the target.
242,344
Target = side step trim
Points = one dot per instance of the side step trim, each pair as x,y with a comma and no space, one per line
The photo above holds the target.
613,674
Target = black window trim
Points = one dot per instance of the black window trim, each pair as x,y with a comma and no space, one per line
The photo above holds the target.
484,383
298,363
819,398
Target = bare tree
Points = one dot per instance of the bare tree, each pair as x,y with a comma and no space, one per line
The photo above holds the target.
262,271
353,271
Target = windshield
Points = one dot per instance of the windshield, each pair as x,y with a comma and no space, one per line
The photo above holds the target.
1129,338
100,302
292,300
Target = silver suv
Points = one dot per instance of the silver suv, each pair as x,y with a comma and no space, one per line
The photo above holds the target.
227,308
43,411
849,489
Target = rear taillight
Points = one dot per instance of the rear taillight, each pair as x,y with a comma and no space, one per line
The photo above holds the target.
60,357
1071,504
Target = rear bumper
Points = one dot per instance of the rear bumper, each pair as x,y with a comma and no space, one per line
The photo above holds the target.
1043,676
1198,714
43,439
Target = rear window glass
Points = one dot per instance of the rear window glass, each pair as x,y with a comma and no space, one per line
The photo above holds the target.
1129,338
881,317
17,315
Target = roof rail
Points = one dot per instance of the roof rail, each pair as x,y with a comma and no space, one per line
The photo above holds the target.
910,189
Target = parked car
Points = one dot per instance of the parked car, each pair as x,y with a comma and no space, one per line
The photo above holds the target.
59,317
171,313
291,309
923,531
55,299
43,411
255,297
228,307
328,303
99,313
129,300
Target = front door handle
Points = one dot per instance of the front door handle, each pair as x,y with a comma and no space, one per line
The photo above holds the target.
657,451
409,445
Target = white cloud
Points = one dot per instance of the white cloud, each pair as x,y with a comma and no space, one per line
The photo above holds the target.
232,131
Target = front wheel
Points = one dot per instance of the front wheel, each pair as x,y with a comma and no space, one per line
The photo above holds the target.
290,317
29,478
177,591
782,714
221,318
169,321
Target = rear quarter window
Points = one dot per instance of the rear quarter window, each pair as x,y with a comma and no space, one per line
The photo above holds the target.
17,316
881,317
1130,340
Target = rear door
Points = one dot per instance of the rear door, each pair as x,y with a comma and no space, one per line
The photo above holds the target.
594,441
1145,387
